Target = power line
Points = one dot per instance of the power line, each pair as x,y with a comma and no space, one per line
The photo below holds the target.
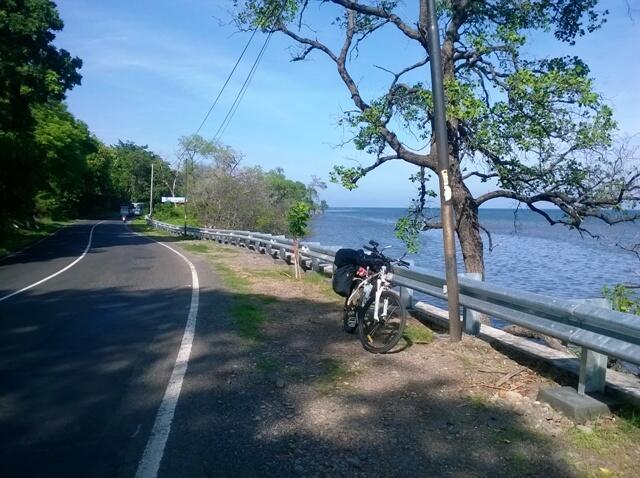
215,102
236,102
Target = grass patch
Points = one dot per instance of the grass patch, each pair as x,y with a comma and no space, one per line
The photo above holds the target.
231,279
607,435
418,334
19,238
201,248
521,464
315,278
478,400
333,373
268,365
140,226
247,313
273,274
248,318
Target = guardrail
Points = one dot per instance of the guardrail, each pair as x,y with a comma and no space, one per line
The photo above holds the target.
600,331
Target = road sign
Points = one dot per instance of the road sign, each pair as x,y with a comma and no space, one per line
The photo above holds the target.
176,199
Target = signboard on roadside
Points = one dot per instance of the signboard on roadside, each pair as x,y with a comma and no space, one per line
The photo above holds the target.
173,199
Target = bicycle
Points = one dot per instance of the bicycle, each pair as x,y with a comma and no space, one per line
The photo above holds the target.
373,307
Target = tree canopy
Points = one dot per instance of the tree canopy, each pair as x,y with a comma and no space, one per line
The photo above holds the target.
535,128
34,77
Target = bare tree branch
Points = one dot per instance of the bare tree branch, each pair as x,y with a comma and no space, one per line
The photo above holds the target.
382,13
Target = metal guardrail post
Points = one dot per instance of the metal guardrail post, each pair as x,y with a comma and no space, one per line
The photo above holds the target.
471,318
593,365
406,297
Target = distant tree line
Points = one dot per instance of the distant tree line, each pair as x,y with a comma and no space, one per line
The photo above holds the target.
53,166
222,193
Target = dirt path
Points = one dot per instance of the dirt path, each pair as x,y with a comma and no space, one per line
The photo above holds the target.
432,409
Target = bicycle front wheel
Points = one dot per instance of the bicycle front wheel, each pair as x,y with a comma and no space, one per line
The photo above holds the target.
381,335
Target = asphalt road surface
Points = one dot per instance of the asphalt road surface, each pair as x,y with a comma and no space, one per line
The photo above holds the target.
87,356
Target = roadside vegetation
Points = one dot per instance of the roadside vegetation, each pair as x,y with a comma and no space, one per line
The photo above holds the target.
20,236
623,298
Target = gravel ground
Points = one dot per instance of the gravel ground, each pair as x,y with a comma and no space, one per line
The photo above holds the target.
326,407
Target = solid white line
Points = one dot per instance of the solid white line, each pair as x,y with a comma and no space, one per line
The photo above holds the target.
86,249
150,462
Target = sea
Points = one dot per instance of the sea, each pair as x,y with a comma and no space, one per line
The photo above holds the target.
528,253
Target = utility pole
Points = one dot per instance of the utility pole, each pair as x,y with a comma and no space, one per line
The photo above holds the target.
186,186
151,194
430,24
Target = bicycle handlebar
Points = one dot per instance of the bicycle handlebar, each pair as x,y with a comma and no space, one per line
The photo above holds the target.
374,250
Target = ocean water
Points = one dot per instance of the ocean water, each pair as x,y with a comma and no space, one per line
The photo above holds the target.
528,254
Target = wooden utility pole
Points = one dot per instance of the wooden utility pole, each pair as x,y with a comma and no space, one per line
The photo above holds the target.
430,23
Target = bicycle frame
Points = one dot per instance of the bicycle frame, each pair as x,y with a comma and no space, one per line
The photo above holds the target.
381,285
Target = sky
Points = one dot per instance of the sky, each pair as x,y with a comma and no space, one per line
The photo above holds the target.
151,70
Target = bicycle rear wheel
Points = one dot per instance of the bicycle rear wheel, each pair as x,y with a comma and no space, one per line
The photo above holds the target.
350,316
382,335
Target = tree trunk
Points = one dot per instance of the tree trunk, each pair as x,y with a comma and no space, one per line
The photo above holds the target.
467,223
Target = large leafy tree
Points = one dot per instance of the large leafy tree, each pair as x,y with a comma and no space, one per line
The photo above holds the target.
533,127
33,72
131,172
63,145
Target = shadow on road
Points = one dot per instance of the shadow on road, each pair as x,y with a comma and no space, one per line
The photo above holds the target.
80,391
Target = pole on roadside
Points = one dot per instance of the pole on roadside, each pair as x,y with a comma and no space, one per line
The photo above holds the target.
186,186
442,150
151,194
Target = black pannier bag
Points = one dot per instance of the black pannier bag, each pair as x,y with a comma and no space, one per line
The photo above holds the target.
346,262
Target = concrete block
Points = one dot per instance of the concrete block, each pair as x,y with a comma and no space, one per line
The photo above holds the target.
578,408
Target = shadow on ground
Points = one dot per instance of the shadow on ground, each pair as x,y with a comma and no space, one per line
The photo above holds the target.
80,391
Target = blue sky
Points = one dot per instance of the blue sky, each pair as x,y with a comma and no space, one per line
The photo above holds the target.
152,68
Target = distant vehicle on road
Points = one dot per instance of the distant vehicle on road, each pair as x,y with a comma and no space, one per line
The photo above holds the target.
137,208
125,210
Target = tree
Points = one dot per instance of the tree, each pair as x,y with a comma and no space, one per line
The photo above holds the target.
32,72
63,145
298,221
533,127
131,171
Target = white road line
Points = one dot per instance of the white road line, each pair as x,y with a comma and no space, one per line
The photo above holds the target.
150,462
86,249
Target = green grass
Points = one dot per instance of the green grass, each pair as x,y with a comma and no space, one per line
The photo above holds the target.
201,248
332,374
19,238
478,400
231,279
520,464
248,318
418,334
316,278
247,312
268,364
624,432
273,274
140,226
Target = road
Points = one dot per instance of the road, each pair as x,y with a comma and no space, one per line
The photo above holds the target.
87,355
